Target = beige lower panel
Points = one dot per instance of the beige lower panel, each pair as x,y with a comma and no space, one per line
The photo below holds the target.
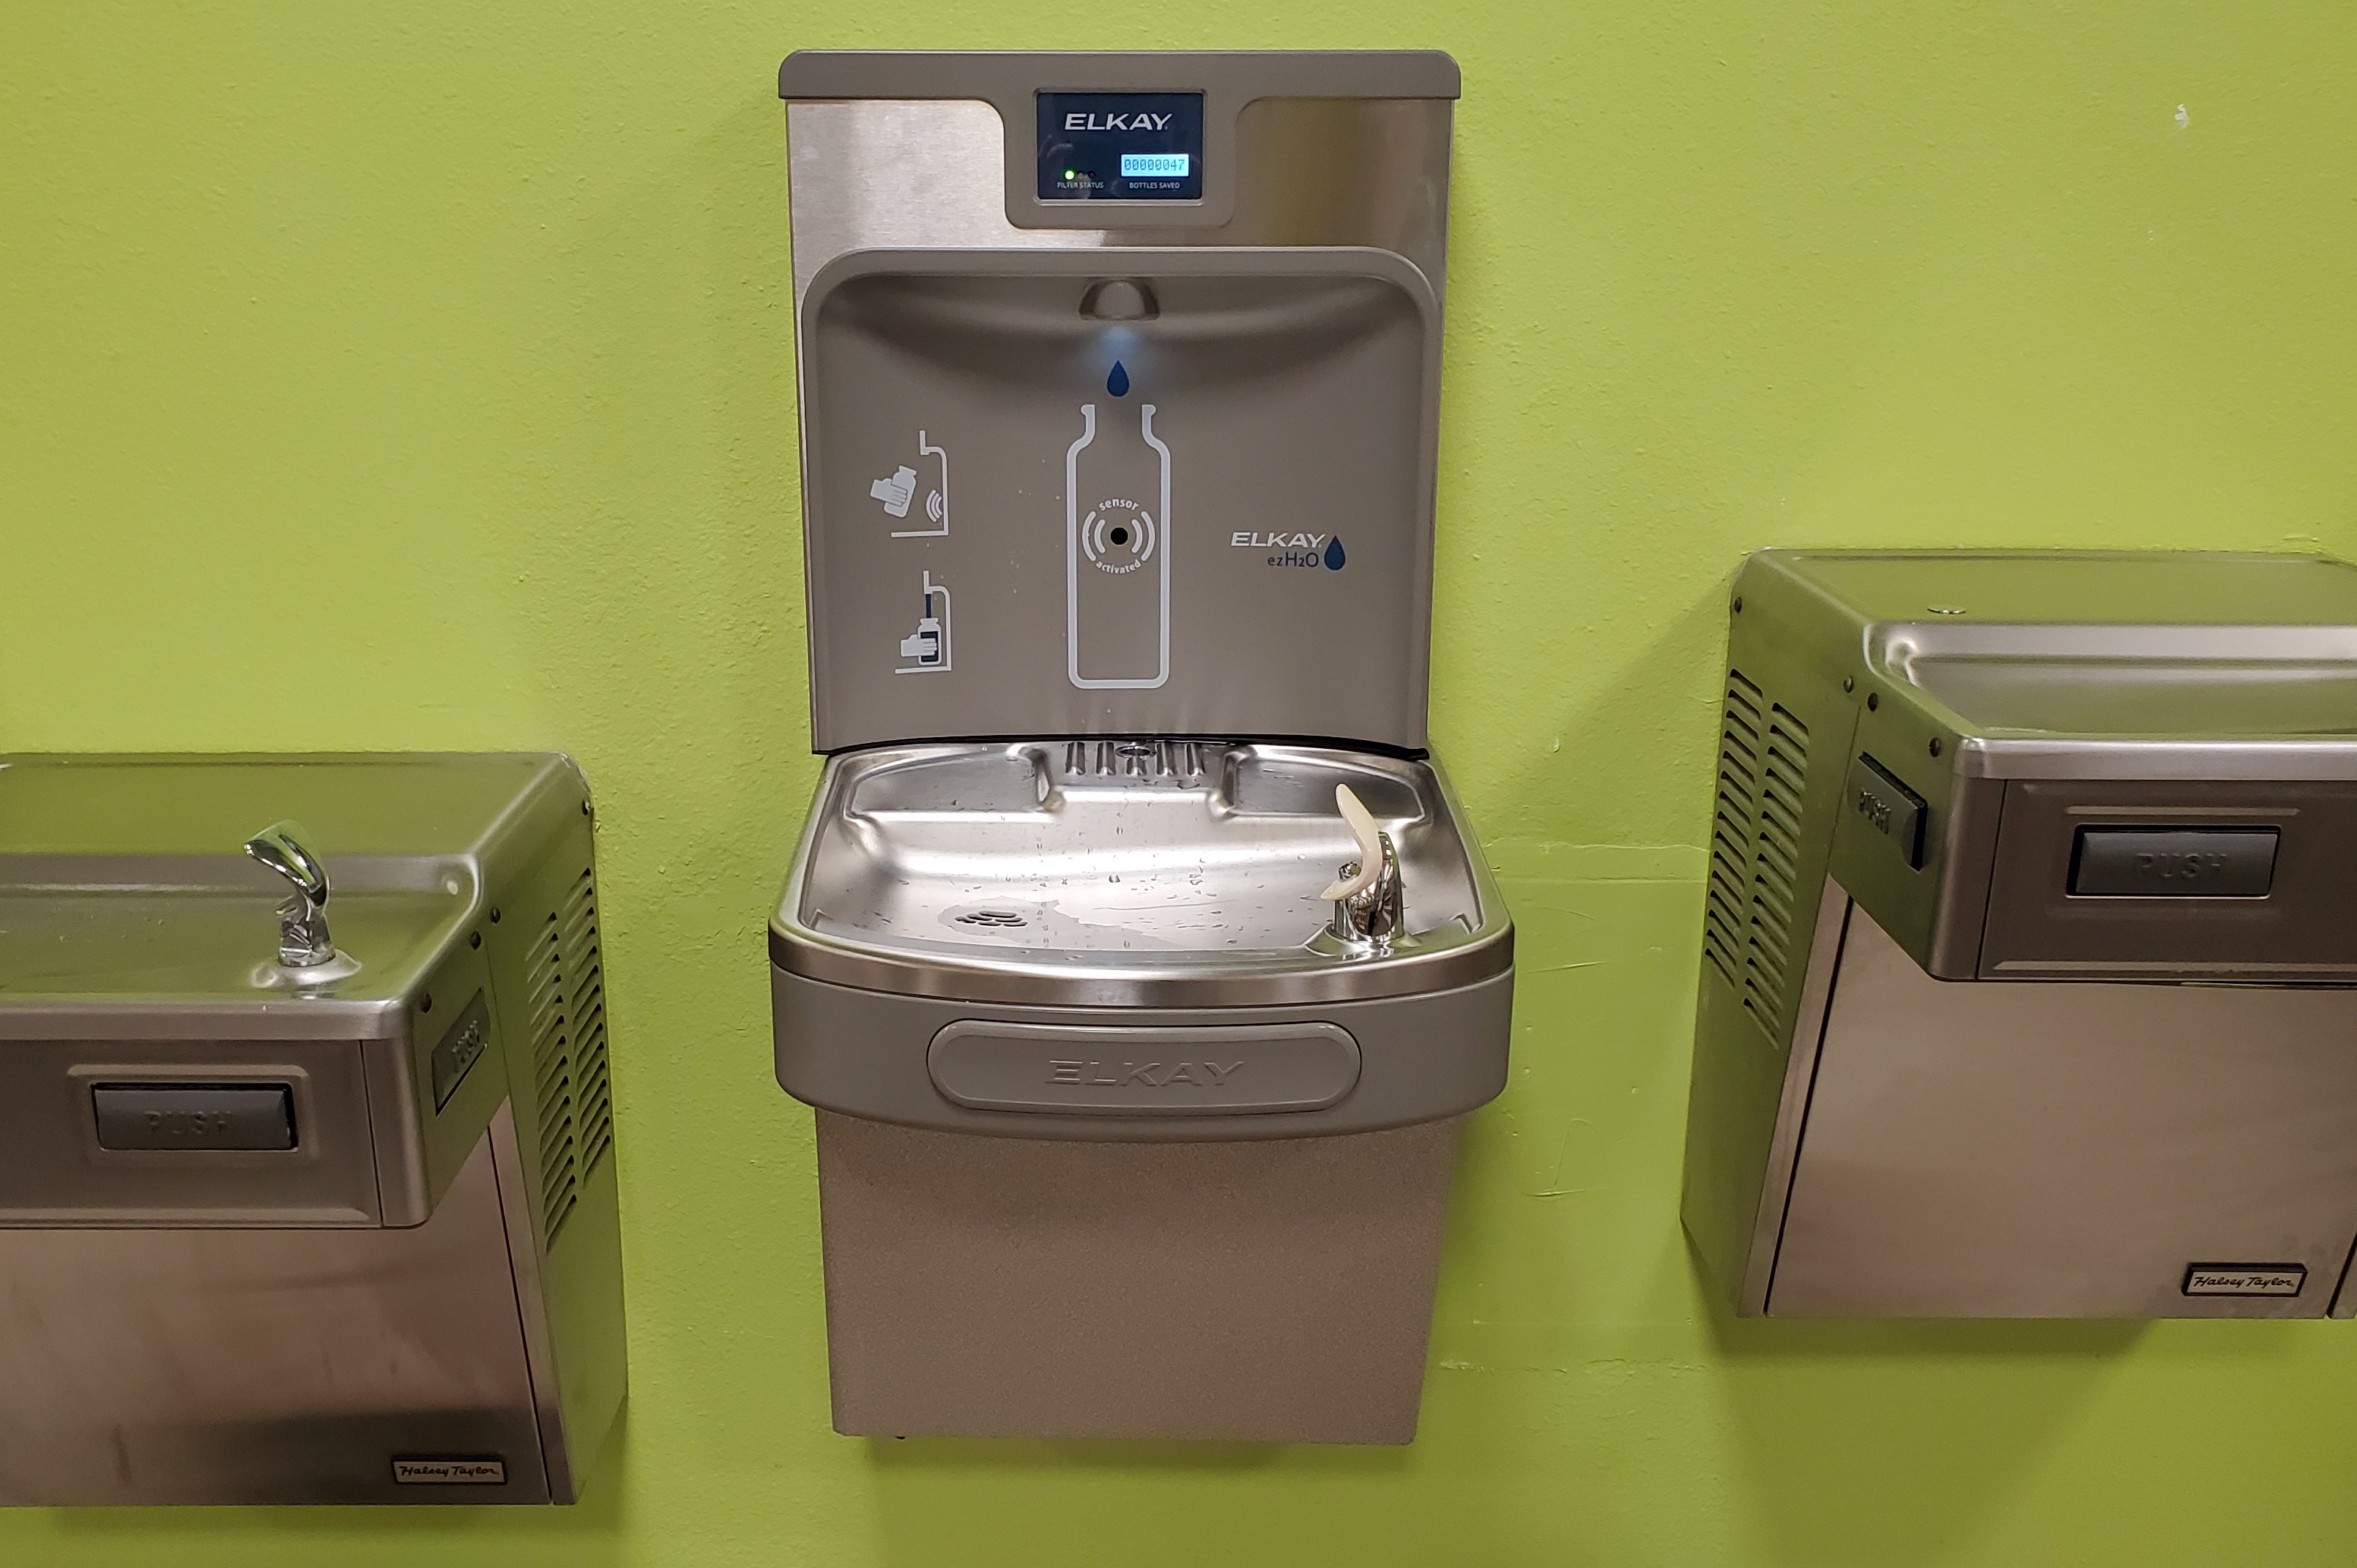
1276,1291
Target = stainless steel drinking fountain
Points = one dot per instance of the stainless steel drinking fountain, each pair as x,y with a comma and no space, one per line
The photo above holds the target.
1136,957
2029,963
307,1180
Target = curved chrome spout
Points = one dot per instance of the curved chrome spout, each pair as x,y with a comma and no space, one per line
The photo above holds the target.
303,938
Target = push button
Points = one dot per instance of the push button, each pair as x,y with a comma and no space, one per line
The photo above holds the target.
194,1116
1888,807
2174,862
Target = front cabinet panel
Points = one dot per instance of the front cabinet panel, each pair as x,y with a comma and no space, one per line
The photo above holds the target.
2070,1150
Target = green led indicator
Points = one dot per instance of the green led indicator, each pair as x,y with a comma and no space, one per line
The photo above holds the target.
1072,174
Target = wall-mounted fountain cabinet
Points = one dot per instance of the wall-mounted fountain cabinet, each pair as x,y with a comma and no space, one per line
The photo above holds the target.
1136,959
307,1171
2029,969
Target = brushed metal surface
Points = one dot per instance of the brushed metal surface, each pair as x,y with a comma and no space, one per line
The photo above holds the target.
2058,1143
1284,174
1284,403
2193,700
1972,674
888,175
995,873
1275,1292
2021,588
2133,680
55,1171
1792,1108
128,929
2298,930
207,1365
1033,1281
1135,1070
895,174
1010,76
2193,761
1746,1054
1748,1101
568,1278
130,913
384,1313
569,1296
2067,1150
1422,1057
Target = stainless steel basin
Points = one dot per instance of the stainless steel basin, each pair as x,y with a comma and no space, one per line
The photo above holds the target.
1085,1036
1125,874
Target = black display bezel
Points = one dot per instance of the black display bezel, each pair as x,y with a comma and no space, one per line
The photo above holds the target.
1083,135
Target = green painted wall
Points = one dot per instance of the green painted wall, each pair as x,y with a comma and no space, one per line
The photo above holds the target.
418,375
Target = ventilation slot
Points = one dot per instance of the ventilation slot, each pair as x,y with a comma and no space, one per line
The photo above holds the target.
574,1103
1732,827
1755,851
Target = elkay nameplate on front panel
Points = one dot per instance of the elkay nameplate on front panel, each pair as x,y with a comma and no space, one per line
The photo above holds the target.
1212,519
1144,1070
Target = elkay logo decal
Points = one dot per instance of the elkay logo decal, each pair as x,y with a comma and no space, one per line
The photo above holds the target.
1150,1075
1295,549
1141,121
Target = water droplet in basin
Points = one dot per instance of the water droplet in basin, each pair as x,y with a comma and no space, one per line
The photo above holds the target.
1117,383
1334,556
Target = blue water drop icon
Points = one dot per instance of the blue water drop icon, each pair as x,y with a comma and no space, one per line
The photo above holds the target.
1334,556
1117,383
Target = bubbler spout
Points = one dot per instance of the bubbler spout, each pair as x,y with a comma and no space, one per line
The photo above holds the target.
303,938
1366,897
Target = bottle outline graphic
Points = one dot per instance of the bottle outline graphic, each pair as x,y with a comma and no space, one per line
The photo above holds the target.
1082,548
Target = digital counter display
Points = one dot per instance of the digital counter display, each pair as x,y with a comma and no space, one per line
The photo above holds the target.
1154,166
1121,146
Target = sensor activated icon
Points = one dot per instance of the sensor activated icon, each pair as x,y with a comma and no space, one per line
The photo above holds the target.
898,491
1118,536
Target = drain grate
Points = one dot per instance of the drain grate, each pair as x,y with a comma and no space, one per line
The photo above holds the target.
992,920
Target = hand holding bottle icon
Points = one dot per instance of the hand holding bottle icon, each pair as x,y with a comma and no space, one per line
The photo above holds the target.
896,491
900,492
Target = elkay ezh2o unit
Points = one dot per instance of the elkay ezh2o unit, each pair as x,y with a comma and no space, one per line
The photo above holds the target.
1136,958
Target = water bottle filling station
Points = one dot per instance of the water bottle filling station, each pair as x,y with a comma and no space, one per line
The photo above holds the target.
1136,957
